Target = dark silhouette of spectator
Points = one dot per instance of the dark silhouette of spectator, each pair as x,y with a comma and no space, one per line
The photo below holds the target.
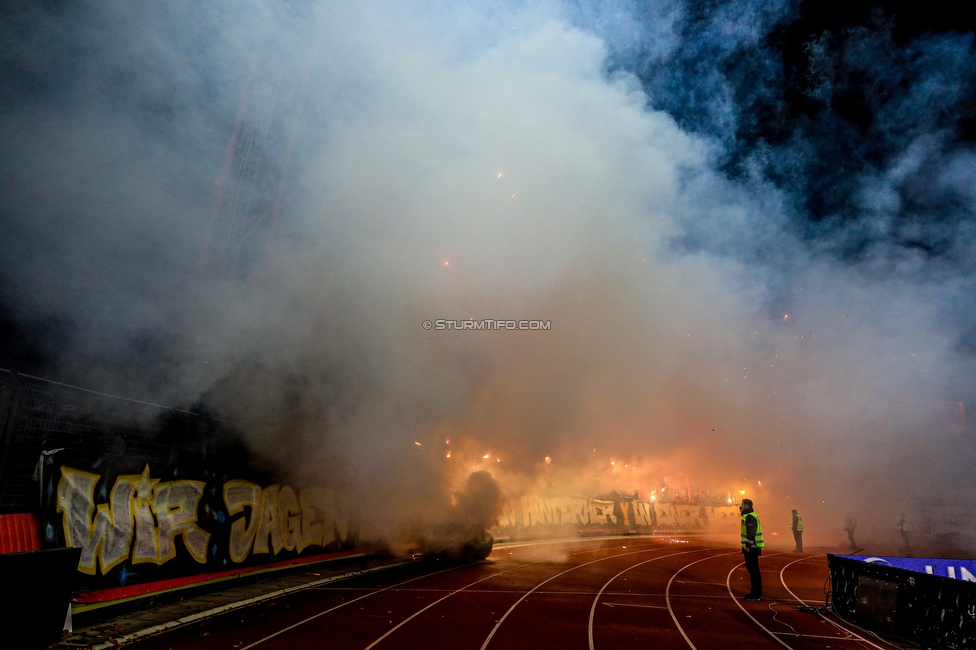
850,525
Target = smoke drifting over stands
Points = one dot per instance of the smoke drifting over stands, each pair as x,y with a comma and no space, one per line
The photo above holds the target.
749,224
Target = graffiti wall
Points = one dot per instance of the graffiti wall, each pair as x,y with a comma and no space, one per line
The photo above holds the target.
136,522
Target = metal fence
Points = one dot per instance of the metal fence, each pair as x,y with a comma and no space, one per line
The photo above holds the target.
38,414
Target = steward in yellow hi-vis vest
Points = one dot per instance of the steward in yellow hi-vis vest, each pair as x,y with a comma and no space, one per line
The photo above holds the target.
752,546
797,528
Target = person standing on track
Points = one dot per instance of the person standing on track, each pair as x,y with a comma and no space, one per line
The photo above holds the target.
751,536
903,529
797,528
850,525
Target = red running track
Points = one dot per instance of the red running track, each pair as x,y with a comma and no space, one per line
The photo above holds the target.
619,593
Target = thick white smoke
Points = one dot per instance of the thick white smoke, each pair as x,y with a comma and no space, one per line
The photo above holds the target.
466,164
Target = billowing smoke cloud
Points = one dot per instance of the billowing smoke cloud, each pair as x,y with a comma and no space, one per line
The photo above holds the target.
461,530
731,308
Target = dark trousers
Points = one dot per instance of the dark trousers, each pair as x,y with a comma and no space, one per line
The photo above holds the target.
798,538
850,536
752,566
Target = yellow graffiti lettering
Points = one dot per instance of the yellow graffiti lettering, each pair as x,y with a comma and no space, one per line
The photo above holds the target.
105,538
146,548
289,518
176,507
322,520
312,529
239,495
156,513
278,519
268,522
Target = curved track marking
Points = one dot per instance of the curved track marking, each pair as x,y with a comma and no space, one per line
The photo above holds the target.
511,609
728,585
456,591
783,580
667,595
332,609
633,566
820,614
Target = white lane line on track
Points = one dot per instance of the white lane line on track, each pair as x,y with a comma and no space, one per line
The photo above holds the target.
217,611
456,591
728,584
816,636
667,596
555,592
634,605
132,637
573,540
391,587
783,580
837,625
526,595
589,629
332,609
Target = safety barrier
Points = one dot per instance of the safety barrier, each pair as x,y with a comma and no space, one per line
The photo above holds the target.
927,609
36,593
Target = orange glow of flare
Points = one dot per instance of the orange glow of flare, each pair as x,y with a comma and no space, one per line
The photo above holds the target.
446,262
448,454
548,460
486,456
418,444
742,491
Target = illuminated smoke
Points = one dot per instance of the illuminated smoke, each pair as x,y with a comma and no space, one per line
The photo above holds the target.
462,532
719,316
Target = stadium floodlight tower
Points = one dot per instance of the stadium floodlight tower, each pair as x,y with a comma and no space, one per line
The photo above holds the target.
252,182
